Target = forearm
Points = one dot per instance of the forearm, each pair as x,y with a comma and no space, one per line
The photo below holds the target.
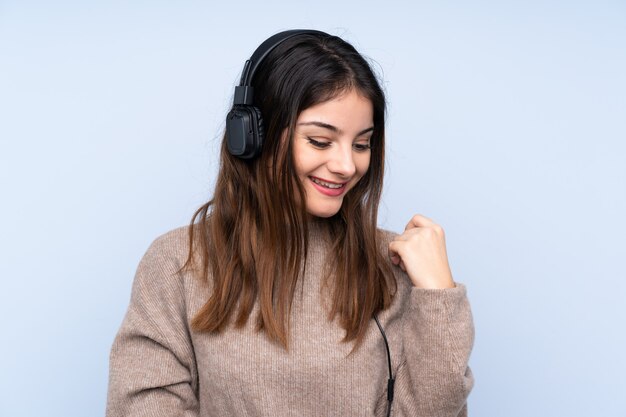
434,378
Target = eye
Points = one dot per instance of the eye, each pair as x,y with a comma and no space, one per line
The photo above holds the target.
318,144
361,147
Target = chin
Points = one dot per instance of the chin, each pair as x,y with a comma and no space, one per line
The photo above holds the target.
323,212
323,215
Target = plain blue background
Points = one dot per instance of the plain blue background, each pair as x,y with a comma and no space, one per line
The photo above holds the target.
507,126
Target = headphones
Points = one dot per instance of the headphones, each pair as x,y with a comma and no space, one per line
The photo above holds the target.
244,122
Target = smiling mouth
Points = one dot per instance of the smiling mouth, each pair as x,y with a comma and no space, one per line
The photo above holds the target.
326,184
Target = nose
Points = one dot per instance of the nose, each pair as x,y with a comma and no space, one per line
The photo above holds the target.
341,161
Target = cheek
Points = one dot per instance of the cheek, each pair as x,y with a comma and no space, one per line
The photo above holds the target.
301,171
363,164
301,160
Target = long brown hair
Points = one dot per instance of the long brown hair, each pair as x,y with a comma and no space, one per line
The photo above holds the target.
252,236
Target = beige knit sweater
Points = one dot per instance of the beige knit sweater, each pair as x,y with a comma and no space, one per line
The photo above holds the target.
159,367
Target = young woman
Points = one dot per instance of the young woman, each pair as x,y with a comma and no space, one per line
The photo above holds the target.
282,297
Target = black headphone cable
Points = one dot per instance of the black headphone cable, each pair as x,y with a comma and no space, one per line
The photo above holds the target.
391,380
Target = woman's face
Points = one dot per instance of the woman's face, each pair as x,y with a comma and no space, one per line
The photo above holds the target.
331,149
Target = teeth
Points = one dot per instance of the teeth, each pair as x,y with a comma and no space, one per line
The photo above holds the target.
326,184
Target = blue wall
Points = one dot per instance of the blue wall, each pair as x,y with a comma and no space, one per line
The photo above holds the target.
507,126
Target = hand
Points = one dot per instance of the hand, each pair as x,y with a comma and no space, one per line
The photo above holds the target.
421,252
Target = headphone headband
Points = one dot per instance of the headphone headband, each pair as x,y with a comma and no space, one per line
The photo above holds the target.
244,91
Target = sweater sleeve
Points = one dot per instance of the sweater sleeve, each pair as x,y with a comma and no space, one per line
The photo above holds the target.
152,367
434,379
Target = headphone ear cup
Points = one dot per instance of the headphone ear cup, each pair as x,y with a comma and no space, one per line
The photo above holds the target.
244,131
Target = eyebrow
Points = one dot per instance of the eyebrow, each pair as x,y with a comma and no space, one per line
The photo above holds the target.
332,128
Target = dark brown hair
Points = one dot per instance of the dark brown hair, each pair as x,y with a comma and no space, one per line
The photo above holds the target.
252,236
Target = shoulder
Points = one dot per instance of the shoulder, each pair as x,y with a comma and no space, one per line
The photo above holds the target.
160,265
158,300
385,237
170,247
171,241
